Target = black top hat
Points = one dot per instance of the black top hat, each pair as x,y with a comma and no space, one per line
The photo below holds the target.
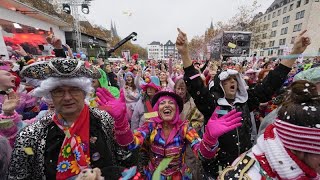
171,94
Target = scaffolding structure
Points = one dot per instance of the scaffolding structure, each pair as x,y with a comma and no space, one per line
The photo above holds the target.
74,7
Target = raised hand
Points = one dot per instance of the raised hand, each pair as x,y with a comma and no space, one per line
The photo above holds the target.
115,107
182,46
219,126
11,101
301,43
182,42
21,51
55,42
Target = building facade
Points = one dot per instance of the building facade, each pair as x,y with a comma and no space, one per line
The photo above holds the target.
170,50
159,51
283,21
155,51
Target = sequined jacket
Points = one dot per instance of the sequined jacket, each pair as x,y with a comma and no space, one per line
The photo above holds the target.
24,166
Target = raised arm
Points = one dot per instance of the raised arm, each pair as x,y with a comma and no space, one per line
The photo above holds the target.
300,45
216,127
120,79
117,109
182,46
264,91
195,85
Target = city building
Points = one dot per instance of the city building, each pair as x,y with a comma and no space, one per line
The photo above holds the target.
170,50
155,50
159,51
283,21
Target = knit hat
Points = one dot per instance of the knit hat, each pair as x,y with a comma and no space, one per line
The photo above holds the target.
152,82
312,75
128,74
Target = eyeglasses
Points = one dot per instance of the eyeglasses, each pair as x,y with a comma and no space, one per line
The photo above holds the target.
62,93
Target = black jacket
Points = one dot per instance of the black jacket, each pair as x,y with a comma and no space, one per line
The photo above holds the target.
235,142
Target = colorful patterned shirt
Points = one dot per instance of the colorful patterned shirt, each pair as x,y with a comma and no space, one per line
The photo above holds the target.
174,147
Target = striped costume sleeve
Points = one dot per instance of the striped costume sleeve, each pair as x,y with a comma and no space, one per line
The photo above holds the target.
140,135
192,138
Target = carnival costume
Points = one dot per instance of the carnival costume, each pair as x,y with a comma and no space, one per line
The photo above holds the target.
48,149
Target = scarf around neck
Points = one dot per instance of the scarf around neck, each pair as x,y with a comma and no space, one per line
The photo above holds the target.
74,153
279,162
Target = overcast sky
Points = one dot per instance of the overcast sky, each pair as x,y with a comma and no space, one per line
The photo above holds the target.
157,20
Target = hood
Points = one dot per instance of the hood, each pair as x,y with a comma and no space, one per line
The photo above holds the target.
218,91
103,80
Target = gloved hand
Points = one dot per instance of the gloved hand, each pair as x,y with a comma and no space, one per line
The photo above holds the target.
219,126
115,107
10,103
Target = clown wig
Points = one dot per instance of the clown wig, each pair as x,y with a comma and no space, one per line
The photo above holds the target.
51,83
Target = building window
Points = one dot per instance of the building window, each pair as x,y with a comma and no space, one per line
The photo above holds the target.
285,20
270,52
299,3
293,39
280,52
275,23
271,43
263,45
273,14
269,16
264,36
306,1
284,10
300,15
279,12
261,53
284,31
297,27
291,7
273,34
265,18
282,41
265,27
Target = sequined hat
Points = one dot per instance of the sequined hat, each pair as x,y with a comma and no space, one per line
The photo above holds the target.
61,68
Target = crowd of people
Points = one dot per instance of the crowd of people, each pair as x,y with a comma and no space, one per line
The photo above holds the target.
65,118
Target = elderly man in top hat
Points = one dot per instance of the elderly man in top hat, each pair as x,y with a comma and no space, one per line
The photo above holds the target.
73,138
